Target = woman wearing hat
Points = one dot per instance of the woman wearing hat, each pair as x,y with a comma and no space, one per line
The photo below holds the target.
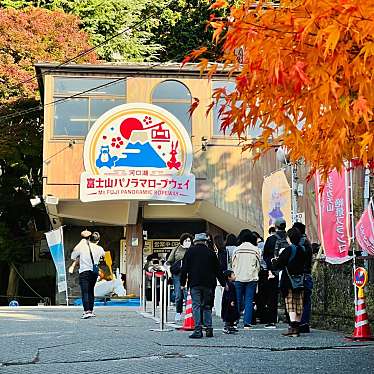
88,252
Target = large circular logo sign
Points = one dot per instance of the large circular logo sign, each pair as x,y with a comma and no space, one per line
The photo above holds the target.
137,152
138,136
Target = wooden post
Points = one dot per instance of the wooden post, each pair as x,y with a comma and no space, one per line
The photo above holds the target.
134,261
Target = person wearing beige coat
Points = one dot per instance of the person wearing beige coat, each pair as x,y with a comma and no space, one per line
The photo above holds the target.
246,266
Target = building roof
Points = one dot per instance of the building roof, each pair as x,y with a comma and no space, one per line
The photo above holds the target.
167,70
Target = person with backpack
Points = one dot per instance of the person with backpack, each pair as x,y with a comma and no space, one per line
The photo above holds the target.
230,246
260,310
175,262
221,251
292,261
308,280
273,246
88,252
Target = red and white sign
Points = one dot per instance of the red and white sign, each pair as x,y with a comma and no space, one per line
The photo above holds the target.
333,206
138,151
365,230
360,277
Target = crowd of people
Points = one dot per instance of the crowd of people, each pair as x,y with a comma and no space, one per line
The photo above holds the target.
252,273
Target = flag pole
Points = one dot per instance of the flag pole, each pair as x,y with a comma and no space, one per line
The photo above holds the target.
366,204
350,170
66,280
294,192
63,249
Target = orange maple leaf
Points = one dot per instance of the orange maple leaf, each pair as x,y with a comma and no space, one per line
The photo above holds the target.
298,76
361,108
360,105
197,53
185,60
193,106
333,32
313,61
218,29
219,4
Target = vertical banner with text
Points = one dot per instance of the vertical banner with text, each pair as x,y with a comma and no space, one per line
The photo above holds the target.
55,242
333,207
276,200
365,230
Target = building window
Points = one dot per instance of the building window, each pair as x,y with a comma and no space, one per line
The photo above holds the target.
74,117
175,97
252,132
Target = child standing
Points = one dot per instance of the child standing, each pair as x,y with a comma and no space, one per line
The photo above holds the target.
229,311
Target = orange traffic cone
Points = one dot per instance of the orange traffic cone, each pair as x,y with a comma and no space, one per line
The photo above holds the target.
362,330
188,323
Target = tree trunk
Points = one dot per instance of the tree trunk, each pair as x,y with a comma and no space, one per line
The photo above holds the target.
12,283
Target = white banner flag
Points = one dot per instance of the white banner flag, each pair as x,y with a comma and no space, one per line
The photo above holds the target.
55,241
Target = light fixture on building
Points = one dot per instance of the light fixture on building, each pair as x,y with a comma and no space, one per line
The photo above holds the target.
52,200
204,143
35,201
282,155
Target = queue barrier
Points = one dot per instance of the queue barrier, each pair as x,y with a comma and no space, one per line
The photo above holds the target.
159,280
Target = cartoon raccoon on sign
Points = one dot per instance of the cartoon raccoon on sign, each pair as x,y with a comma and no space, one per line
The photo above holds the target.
104,158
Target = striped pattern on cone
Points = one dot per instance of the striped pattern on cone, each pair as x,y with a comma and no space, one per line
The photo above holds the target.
188,323
362,327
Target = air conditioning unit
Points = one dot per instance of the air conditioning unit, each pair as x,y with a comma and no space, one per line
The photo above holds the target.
52,200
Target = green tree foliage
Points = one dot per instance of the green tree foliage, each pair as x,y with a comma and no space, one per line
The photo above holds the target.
181,27
102,20
164,30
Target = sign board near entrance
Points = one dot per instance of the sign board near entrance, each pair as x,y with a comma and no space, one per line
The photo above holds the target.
160,246
137,152
164,245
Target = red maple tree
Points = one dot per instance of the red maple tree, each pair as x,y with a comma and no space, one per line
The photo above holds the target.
33,35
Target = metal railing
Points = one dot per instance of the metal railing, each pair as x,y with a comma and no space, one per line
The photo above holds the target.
160,296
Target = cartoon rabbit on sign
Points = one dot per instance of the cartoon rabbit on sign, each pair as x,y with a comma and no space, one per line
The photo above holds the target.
173,163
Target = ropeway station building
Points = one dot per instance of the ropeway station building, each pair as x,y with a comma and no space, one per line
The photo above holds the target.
123,156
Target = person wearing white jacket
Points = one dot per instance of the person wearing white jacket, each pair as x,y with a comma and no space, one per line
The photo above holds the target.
246,266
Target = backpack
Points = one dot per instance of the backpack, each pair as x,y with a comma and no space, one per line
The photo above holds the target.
297,281
176,268
303,240
280,244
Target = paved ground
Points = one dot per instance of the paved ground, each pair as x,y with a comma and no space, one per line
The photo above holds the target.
119,340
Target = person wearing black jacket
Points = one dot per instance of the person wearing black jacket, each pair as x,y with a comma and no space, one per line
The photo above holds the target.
308,280
292,262
271,279
230,310
221,252
201,268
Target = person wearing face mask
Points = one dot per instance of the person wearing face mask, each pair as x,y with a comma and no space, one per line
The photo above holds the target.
174,263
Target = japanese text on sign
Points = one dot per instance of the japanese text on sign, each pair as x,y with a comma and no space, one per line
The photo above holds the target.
164,245
114,187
